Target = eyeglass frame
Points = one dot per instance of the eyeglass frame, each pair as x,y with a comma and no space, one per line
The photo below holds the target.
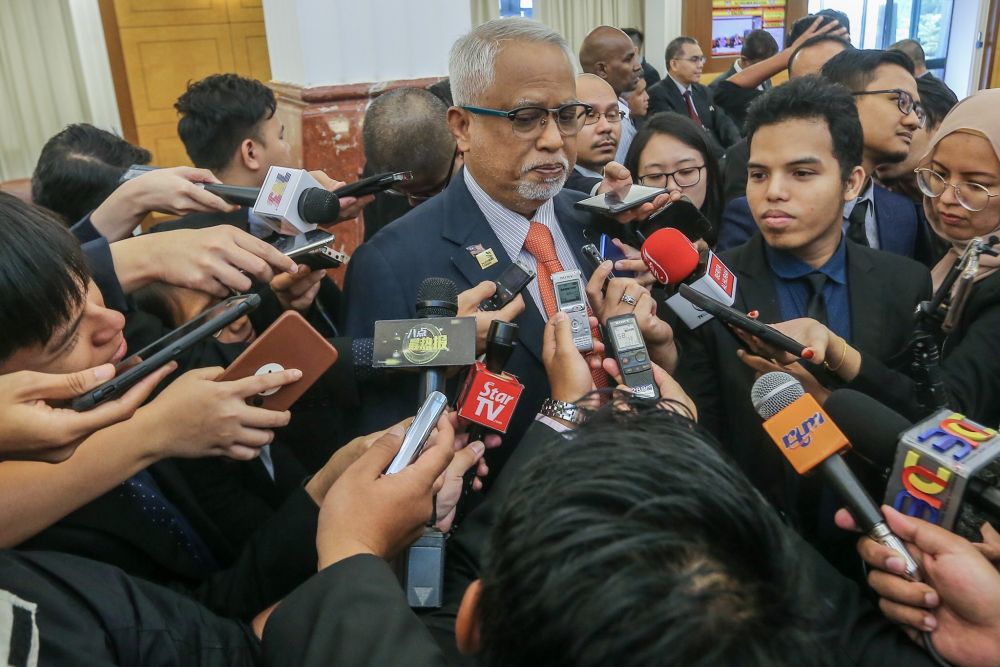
552,113
693,59
607,116
672,174
421,197
916,107
955,186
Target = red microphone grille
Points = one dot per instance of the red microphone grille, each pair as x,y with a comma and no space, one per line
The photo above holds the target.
669,255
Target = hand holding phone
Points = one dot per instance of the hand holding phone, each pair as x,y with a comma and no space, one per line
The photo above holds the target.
510,283
373,184
611,203
418,433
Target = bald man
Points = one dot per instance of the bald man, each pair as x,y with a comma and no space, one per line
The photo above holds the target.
597,142
609,53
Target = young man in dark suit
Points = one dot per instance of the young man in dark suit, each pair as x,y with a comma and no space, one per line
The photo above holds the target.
681,93
597,141
805,163
886,95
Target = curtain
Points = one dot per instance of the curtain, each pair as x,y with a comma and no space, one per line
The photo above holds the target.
484,10
41,84
575,18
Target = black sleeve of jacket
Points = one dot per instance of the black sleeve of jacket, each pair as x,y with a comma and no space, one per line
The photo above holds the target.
84,230
102,270
351,613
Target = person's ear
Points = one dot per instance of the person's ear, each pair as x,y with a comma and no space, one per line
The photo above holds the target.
467,624
250,154
459,121
855,182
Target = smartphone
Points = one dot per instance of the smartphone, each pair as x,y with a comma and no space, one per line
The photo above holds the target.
323,257
290,342
733,317
134,171
571,298
510,283
609,250
682,215
610,203
373,184
416,436
137,366
301,244
629,349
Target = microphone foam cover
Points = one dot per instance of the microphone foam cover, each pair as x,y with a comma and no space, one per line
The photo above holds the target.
773,392
670,256
318,206
437,297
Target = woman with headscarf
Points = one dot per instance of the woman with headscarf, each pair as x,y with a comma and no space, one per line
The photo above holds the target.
960,180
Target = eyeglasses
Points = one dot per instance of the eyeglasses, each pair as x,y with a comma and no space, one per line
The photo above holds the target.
972,196
530,122
415,198
697,60
684,178
904,101
612,117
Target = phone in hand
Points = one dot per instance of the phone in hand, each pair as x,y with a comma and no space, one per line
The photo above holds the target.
302,244
682,215
137,366
373,184
609,250
418,433
611,203
290,342
323,257
510,283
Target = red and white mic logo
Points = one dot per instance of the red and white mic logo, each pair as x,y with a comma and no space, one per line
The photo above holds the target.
489,400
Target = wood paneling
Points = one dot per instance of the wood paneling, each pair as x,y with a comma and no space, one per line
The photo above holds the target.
158,46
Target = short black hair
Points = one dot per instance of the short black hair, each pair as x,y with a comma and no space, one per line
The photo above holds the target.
855,68
690,134
937,100
218,113
407,130
838,16
813,97
79,167
635,35
758,45
801,25
638,543
675,47
813,41
913,49
43,275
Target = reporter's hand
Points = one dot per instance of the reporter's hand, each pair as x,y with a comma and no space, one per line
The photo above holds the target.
32,429
468,306
196,416
216,260
649,209
350,207
568,370
633,262
172,190
366,512
673,395
795,369
959,601
297,291
616,179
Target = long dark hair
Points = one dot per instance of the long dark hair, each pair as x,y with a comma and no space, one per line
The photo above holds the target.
687,132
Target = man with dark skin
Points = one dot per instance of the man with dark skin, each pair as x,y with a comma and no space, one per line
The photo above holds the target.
610,54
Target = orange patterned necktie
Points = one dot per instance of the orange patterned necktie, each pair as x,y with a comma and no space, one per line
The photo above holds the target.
542,247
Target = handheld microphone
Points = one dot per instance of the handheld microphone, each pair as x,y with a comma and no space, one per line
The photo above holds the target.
944,469
673,259
809,439
489,396
436,297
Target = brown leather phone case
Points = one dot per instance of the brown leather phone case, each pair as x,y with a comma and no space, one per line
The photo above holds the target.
290,342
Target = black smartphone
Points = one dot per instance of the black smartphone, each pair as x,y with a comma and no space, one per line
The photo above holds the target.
137,366
611,203
733,317
323,257
302,244
373,184
510,283
609,250
683,216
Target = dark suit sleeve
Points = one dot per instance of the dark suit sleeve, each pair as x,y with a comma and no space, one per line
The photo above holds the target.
737,225
658,100
351,613
102,270
372,292
85,231
725,129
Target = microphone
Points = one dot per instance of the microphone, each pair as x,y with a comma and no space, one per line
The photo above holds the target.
436,297
673,259
809,439
489,396
943,468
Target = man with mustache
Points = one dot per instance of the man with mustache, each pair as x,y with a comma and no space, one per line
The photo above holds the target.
597,141
515,120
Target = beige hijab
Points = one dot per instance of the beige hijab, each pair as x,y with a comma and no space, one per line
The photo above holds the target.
976,114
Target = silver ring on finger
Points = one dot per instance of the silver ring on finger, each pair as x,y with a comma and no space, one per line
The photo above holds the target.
630,300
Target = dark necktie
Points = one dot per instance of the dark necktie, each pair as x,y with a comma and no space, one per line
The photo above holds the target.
856,223
817,305
692,112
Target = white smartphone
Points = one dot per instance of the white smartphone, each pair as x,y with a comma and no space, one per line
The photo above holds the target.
416,436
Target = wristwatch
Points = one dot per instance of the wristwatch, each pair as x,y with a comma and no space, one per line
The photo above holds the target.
563,410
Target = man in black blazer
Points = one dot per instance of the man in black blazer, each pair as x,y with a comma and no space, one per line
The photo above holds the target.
681,93
805,156
759,45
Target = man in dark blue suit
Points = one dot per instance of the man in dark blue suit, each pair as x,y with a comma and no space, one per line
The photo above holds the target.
507,198
886,96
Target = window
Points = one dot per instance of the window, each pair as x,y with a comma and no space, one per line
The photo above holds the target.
516,8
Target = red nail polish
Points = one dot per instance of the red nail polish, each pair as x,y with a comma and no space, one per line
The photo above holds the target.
808,353
754,314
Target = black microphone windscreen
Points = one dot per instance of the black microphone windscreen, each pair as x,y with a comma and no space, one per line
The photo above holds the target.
318,206
872,428
437,297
